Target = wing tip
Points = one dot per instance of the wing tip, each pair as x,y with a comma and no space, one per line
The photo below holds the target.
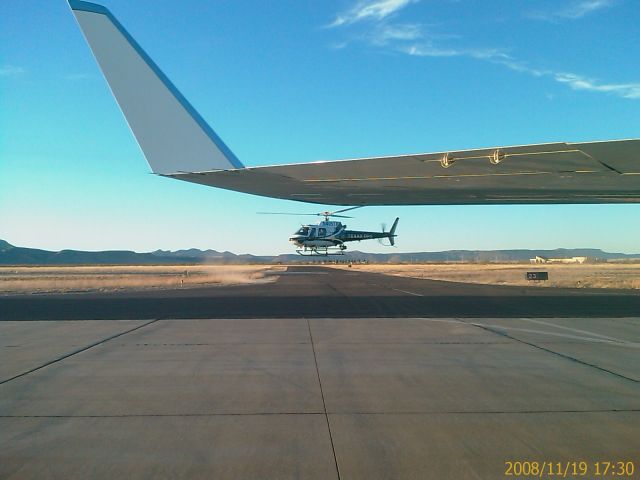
82,6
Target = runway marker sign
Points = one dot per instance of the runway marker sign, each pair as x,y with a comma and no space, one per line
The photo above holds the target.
537,276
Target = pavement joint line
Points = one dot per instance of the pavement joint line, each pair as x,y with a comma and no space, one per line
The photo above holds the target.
380,318
209,344
255,414
491,412
576,330
336,291
550,342
75,352
407,292
324,404
329,342
562,355
169,415
398,290
566,335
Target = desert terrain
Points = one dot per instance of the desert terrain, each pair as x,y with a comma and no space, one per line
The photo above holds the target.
60,279
54,279
600,275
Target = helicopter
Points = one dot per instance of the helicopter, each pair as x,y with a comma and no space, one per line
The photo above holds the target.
328,237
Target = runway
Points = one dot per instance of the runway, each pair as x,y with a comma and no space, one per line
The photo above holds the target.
325,394
317,292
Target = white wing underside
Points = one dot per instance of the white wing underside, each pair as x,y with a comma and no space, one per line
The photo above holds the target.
179,144
597,172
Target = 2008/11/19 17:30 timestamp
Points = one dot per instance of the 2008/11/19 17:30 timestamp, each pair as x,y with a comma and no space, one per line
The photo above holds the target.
572,469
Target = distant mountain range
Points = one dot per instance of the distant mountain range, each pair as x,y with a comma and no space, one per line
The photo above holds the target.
11,255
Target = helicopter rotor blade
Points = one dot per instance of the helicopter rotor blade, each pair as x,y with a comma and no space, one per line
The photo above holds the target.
347,209
319,214
284,213
307,214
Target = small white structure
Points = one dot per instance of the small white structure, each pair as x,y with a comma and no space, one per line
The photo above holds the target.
580,260
539,259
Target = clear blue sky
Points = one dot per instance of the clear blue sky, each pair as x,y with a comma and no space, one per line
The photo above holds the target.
296,81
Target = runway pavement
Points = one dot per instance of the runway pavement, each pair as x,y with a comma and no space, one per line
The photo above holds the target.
326,394
317,292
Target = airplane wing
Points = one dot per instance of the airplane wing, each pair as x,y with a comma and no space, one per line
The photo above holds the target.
178,143
597,172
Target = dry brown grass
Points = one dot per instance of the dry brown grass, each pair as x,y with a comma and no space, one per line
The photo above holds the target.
582,276
104,278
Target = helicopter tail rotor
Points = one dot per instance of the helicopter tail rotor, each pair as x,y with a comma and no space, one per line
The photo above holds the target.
383,226
391,235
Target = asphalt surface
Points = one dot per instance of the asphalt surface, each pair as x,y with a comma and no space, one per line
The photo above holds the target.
320,395
316,292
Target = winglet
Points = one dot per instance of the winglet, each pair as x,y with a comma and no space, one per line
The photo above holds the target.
171,133
88,7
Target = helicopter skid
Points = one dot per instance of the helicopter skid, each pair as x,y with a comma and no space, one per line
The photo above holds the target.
321,251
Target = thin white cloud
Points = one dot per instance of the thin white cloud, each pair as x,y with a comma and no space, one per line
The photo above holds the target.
11,70
385,34
415,40
574,10
521,67
409,38
574,81
499,57
578,82
370,10
430,50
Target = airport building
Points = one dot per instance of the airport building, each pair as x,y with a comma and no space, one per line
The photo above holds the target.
540,259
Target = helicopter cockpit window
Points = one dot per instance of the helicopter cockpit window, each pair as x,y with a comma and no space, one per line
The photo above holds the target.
303,231
322,232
